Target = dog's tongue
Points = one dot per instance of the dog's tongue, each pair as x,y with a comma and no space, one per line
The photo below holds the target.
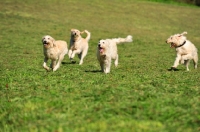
100,50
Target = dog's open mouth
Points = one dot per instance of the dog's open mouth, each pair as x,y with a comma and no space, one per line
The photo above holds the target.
45,43
172,45
101,50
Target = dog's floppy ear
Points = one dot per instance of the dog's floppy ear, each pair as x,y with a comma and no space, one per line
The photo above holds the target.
53,41
182,34
42,39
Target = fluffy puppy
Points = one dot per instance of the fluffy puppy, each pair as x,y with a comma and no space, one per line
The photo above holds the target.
185,50
107,50
78,45
54,50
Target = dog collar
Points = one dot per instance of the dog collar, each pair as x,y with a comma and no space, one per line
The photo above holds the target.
181,44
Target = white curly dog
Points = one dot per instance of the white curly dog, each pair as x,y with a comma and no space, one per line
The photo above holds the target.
185,50
107,50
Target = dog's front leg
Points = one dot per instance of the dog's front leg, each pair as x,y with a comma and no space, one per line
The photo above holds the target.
61,57
102,66
74,53
107,66
176,62
70,53
45,64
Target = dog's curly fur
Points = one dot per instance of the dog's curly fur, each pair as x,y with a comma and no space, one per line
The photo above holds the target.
78,45
54,50
107,50
185,50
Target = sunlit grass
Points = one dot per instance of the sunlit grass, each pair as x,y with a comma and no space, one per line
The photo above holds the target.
139,95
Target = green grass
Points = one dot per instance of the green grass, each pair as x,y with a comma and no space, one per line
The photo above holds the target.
139,95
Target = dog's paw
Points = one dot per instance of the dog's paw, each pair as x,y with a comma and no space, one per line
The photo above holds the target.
55,68
48,70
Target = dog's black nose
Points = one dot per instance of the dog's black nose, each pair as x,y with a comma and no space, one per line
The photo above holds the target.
74,33
99,45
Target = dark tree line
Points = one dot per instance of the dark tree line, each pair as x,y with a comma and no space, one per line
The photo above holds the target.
196,2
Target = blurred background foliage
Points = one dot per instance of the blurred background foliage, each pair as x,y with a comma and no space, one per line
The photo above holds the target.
194,2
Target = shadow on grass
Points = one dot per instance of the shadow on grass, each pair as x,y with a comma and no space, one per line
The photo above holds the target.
93,71
66,63
173,69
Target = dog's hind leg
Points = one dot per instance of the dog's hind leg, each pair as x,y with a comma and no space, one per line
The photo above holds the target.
187,62
195,60
61,57
79,55
53,64
82,56
116,60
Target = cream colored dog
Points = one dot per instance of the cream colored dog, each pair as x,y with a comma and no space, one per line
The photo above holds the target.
54,50
185,50
78,45
107,50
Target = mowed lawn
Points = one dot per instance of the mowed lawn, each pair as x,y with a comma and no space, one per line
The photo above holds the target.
140,95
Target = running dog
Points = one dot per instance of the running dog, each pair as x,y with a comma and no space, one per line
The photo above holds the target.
185,50
107,50
54,50
78,45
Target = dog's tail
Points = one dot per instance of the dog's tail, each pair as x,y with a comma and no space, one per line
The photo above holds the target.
88,34
129,38
184,33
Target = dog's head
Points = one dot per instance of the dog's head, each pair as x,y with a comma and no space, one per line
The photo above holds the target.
102,47
75,33
48,42
176,40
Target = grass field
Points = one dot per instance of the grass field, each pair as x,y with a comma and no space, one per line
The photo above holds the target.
140,95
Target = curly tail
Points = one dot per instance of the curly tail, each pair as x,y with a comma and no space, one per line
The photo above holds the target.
88,34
